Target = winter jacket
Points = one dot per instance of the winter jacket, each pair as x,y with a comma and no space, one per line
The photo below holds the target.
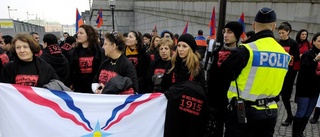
309,75
52,55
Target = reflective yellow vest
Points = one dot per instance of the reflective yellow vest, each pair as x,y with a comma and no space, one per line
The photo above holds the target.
264,73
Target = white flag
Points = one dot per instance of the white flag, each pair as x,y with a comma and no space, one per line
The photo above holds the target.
36,112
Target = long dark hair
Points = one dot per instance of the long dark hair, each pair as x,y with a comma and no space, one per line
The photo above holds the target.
298,36
152,46
139,39
302,41
92,36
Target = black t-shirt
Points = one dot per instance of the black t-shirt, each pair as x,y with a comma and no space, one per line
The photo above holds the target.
85,65
291,47
122,66
34,73
141,61
216,98
158,66
186,114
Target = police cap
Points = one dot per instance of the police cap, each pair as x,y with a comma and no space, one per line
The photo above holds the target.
265,15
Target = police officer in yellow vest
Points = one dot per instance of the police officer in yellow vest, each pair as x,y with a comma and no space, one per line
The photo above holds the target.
253,75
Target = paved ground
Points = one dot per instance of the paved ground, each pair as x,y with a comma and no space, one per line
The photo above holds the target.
312,130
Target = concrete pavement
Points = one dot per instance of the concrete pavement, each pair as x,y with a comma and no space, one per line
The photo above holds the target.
312,130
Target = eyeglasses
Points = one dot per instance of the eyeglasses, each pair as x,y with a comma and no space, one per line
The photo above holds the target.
167,36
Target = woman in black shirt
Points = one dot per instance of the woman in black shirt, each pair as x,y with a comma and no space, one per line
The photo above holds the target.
27,69
86,59
116,64
139,58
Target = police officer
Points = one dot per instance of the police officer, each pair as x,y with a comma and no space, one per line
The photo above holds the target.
256,71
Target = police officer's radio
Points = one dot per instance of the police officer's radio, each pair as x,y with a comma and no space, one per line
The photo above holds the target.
241,107
241,111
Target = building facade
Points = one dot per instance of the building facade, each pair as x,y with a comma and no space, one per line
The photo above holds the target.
172,15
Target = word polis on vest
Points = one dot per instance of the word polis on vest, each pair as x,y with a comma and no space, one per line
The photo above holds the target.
271,59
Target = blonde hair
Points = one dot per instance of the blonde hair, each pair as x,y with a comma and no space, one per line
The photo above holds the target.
166,42
192,62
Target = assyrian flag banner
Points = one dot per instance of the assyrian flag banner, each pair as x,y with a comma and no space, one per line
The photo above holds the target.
36,112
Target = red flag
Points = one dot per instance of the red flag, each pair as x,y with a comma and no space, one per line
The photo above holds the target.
79,20
185,30
155,27
241,20
99,20
212,24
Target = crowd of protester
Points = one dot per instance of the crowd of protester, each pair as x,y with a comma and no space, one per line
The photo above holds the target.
136,63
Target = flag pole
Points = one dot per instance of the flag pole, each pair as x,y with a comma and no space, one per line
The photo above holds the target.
100,37
222,20
112,7
219,36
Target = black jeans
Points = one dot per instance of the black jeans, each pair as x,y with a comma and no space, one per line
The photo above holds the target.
259,123
287,90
